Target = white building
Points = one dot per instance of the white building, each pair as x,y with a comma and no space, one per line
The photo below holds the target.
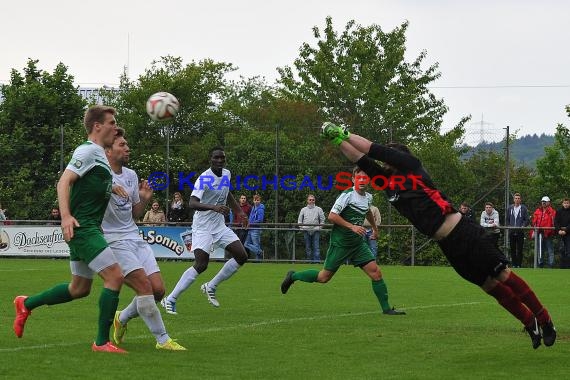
91,94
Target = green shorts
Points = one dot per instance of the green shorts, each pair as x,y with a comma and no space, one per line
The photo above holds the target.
358,254
86,244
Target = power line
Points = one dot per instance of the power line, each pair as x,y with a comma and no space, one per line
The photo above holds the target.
505,86
6,81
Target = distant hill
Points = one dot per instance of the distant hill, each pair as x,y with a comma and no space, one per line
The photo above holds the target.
524,150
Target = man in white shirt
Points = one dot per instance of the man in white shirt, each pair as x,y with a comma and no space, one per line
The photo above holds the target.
312,215
134,255
209,230
490,220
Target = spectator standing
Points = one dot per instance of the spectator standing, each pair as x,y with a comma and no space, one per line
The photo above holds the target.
155,216
369,236
178,213
466,210
517,216
562,226
54,217
543,218
312,214
256,216
490,220
246,208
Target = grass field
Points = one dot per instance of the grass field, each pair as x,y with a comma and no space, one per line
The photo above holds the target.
332,331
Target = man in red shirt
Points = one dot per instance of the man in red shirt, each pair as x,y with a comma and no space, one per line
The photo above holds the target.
543,217
246,208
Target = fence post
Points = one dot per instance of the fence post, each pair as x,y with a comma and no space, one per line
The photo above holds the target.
413,263
535,235
294,243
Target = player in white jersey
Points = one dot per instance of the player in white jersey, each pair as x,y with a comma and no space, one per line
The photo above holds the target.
209,230
134,255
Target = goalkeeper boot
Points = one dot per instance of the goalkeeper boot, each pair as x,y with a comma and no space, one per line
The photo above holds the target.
336,134
548,333
534,333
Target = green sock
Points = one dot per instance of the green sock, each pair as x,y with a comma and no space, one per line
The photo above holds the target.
108,302
309,275
53,296
381,291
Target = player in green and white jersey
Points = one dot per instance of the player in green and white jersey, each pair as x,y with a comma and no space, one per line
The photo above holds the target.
83,192
347,243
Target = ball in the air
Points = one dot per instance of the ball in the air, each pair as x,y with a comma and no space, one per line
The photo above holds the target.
162,106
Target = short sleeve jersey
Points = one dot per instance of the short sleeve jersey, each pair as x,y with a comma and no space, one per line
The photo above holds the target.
118,222
352,207
91,192
211,189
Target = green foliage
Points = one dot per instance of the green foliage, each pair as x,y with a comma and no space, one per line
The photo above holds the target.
198,86
199,125
37,108
553,169
360,78
441,155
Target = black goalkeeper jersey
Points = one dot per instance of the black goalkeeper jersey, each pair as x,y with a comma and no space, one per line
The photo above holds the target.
409,187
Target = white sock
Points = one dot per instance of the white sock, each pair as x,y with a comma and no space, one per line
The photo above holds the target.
187,278
151,316
230,267
129,312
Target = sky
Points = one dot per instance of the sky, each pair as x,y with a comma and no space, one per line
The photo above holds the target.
505,63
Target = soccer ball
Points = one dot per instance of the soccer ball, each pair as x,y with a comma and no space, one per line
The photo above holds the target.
162,106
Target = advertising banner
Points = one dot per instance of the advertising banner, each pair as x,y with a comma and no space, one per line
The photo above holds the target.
32,241
166,242
172,242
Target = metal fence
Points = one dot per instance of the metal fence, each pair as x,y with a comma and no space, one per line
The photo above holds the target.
284,242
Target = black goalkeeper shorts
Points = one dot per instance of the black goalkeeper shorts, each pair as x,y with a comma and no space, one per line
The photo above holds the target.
472,252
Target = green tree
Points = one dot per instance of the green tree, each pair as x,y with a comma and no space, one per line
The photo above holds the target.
38,107
441,155
277,136
553,169
360,78
200,124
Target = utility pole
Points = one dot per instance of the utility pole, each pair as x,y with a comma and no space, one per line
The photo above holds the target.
166,205
61,131
507,183
276,218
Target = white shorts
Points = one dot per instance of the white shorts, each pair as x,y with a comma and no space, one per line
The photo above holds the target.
133,255
103,260
207,241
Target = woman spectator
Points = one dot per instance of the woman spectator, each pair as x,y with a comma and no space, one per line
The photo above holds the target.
154,216
178,213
